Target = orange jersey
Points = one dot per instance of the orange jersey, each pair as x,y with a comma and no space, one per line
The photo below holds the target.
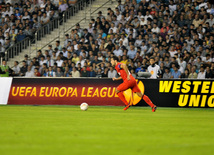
122,72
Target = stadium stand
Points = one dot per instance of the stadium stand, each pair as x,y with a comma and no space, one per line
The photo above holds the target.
38,36
177,34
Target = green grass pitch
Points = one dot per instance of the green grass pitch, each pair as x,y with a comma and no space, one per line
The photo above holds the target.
36,130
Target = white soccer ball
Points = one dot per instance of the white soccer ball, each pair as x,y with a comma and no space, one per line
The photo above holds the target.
84,106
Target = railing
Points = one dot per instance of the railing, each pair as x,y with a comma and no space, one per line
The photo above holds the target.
84,18
46,29
80,5
41,32
99,7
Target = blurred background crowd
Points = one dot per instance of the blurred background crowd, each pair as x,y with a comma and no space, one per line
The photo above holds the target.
168,38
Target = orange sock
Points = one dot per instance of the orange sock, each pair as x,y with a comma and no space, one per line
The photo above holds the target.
147,100
122,97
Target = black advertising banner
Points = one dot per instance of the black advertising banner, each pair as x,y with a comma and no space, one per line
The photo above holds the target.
180,93
94,91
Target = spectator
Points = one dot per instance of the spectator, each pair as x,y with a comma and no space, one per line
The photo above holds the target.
124,40
36,25
143,21
105,73
172,51
135,23
7,43
132,52
138,69
62,8
59,61
185,75
21,36
198,63
84,72
26,59
59,73
196,22
23,69
4,69
54,57
132,66
43,5
162,30
182,64
49,61
99,73
67,72
2,50
42,61
81,61
137,57
75,58
118,52
110,46
16,69
51,72
176,74
193,74
28,32
96,61
75,73
153,69
36,72
64,52
92,72
86,34
29,72
112,73
202,73
164,33
207,60
209,74
167,74
43,70
155,29
67,40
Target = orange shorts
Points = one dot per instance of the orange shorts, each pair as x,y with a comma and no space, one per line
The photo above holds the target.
132,84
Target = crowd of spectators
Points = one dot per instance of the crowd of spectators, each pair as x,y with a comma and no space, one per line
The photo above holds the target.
177,35
22,18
